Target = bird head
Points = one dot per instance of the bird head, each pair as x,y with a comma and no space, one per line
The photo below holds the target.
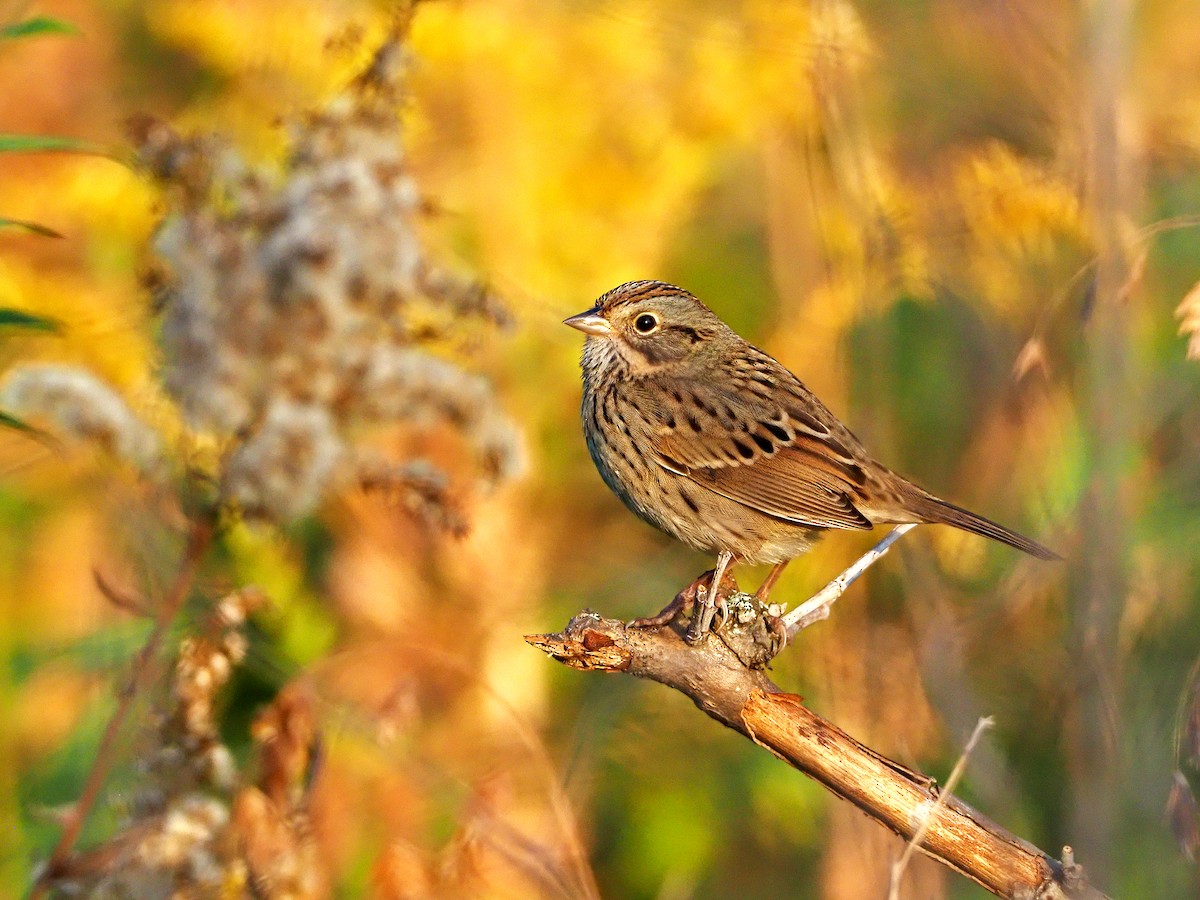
651,325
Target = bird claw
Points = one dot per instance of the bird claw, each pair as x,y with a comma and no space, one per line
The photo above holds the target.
777,629
721,617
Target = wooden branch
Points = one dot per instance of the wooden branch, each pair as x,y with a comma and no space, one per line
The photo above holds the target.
723,676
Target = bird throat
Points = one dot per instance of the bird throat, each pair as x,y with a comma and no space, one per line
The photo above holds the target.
612,355
601,356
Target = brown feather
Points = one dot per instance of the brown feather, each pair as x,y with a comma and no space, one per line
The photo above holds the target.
718,444
785,486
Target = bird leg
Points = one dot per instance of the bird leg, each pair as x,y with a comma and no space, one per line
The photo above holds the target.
707,603
764,589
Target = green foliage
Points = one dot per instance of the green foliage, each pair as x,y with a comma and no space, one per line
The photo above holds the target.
909,365
35,27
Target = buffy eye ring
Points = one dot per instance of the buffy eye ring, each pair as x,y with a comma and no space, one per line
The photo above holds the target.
646,323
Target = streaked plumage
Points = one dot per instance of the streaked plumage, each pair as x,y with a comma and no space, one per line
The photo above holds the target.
716,443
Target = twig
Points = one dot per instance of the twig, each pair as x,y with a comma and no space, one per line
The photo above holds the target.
816,607
1140,239
119,598
899,866
199,539
713,675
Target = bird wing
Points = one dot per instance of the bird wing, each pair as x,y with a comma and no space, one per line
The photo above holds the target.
778,451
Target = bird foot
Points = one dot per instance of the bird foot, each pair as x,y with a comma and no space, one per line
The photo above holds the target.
685,603
777,627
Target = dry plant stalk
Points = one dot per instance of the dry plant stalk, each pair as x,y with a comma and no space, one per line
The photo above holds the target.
944,797
171,842
724,677
299,309
142,676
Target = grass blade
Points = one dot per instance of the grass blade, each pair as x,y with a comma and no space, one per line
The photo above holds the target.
16,318
41,143
31,227
7,421
38,25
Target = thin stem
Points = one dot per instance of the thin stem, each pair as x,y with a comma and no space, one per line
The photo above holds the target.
956,774
816,607
199,539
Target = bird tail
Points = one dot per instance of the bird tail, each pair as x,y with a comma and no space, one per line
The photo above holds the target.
931,509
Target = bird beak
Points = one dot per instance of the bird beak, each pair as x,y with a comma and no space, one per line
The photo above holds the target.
590,322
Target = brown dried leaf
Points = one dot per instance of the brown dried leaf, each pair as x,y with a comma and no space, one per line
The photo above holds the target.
1032,357
122,599
1189,752
277,849
1188,313
403,872
287,733
1183,816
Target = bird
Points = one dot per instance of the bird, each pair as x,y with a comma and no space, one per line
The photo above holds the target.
713,441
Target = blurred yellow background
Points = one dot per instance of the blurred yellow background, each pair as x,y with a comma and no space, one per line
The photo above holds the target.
903,202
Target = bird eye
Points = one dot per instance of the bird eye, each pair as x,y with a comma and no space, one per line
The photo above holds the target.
646,323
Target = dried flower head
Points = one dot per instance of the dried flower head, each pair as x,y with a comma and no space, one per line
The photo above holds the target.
82,407
418,486
289,307
186,752
281,470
